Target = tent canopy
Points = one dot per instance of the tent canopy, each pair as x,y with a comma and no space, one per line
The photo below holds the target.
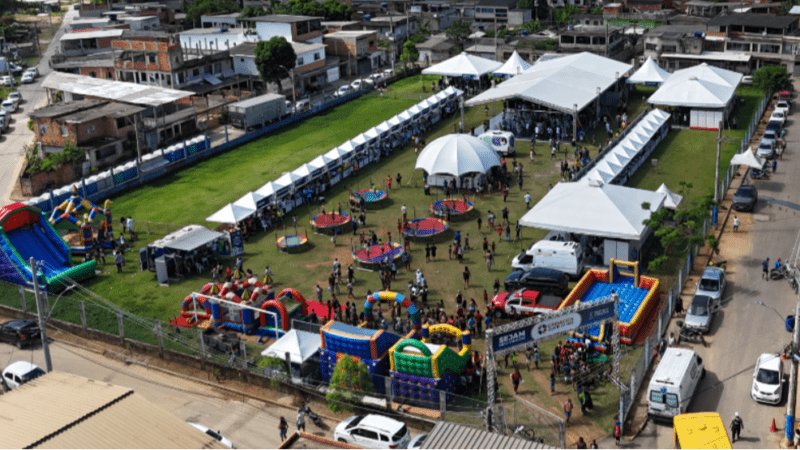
456,155
231,213
649,74
595,209
514,66
559,83
701,86
250,200
336,154
320,162
463,65
748,159
288,179
187,238
303,171
270,188
671,200
301,346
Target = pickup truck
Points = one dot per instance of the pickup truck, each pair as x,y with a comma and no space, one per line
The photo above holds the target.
525,302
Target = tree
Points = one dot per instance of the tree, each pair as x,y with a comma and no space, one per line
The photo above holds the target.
597,10
533,26
336,10
458,31
410,53
251,11
272,54
350,380
562,15
330,10
539,8
203,7
425,28
771,78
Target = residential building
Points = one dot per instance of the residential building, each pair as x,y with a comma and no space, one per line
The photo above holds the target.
394,28
312,68
357,50
211,40
608,41
647,5
100,128
307,29
341,25
219,20
436,49
79,43
518,16
494,10
99,65
89,23
438,14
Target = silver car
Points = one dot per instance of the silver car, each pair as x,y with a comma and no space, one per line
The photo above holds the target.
700,313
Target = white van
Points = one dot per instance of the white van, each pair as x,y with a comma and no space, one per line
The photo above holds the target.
563,256
502,141
674,383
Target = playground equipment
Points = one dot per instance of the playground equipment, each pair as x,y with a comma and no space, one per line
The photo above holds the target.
330,221
428,227
69,210
419,369
25,232
458,209
370,196
388,296
200,305
291,242
340,340
374,254
639,296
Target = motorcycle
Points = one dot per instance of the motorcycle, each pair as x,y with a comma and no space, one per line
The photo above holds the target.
690,334
779,273
793,283
304,408
757,174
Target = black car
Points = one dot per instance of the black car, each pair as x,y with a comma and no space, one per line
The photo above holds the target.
540,279
19,332
775,126
745,198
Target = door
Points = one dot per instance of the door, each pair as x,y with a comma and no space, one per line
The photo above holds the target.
513,305
527,307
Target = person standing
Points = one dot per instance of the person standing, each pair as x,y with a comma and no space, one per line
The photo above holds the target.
765,269
536,357
735,223
283,427
617,432
515,379
567,410
528,359
427,252
581,443
466,276
582,401
552,383
736,427
301,421
433,252
528,199
404,210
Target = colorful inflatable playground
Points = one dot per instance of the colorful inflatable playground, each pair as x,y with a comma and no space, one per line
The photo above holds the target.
70,209
377,253
291,242
370,196
456,207
330,221
639,297
420,369
427,227
25,232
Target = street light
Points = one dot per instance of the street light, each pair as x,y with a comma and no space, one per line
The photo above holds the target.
770,307
294,94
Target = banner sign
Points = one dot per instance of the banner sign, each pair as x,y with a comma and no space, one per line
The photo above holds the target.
237,243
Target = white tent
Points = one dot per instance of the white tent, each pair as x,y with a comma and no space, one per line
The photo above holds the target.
301,346
456,155
304,170
405,116
288,179
251,200
270,188
559,83
231,213
701,86
463,65
514,66
595,209
337,154
384,127
453,91
395,122
348,146
320,162
748,159
671,199
650,74
414,110
373,133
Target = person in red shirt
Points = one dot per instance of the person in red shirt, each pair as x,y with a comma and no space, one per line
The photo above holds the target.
499,230
388,182
515,379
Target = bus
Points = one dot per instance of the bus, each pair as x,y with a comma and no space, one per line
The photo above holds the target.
700,430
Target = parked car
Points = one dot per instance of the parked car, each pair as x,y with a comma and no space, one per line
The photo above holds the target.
374,78
20,372
15,69
701,312
6,80
6,118
524,302
16,97
9,106
712,283
775,126
768,379
3,124
27,78
745,198
783,106
778,116
541,279
372,431
343,90
417,441
302,105
770,136
19,332
33,71
388,73
214,434
747,79
766,149
356,85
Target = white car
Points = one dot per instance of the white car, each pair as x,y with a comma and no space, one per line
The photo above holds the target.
20,372
766,150
6,81
33,71
388,73
9,106
372,431
27,78
343,90
15,97
768,379
417,441
215,434
374,78
302,105
356,85
747,79
782,106
778,116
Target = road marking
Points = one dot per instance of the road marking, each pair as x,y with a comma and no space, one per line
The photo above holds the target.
761,217
792,205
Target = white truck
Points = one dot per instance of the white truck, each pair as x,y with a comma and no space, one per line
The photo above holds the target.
502,141
674,383
257,111
559,255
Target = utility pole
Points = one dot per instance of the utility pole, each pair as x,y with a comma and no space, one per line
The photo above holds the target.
40,313
793,376
716,173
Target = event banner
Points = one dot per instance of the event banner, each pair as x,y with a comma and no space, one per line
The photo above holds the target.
237,243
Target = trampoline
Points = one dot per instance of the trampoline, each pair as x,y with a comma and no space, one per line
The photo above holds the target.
456,207
424,228
370,196
374,254
291,242
330,220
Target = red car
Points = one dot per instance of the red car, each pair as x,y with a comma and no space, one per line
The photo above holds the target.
525,302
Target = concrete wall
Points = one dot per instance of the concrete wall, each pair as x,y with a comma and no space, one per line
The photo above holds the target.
106,73
268,30
244,65
218,22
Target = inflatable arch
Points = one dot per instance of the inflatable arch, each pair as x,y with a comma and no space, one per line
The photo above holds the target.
388,296
296,296
284,315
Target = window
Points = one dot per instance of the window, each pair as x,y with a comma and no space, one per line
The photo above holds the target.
770,48
300,62
42,129
120,123
651,47
656,397
207,69
672,400
241,59
92,74
90,130
64,131
196,73
670,49
218,68
567,39
738,47
316,56
369,434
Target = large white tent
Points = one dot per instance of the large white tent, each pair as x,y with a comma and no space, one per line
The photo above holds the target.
650,74
463,65
301,346
457,155
231,213
749,159
514,66
701,86
559,83
671,199
595,209
251,200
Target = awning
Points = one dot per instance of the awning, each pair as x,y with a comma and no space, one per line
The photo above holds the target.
188,238
671,200
301,346
749,159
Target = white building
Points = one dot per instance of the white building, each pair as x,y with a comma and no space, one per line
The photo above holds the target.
215,39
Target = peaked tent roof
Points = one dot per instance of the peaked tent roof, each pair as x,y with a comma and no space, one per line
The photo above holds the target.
320,162
650,73
701,86
514,66
594,209
250,200
270,188
671,200
559,83
301,346
748,159
463,64
456,155
231,213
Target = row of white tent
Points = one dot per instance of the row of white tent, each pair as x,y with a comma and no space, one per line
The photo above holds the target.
469,66
286,186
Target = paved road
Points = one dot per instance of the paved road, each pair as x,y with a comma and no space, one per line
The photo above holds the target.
14,140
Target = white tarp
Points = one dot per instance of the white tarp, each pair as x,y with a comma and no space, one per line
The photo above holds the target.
671,199
250,200
456,155
748,159
463,65
395,121
301,346
231,213
650,74
514,66
701,86
595,209
559,83
384,127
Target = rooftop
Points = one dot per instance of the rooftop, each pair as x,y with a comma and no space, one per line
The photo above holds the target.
112,110
146,34
280,18
77,35
455,436
60,109
223,14
105,59
217,30
349,33
751,19
340,23
299,47
138,94
665,30
244,49
500,3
